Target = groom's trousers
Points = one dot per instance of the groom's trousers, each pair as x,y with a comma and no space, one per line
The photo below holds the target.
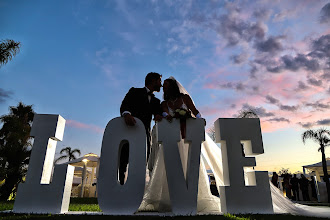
124,158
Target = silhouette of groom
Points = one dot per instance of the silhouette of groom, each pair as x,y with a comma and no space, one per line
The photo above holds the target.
142,104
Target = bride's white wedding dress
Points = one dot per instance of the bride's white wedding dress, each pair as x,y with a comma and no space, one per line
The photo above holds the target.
156,197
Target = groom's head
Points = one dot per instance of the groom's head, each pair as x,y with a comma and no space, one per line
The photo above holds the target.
153,81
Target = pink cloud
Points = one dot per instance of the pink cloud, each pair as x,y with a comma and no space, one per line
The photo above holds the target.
230,105
79,125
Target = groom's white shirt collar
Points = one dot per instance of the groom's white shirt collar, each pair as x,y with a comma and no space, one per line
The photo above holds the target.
149,96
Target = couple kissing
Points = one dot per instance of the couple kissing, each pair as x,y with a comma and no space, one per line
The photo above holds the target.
142,104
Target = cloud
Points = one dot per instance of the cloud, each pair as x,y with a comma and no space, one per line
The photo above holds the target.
325,14
321,47
306,125
80,125
318,105
234,29
127,12
323,122
290,108
326,76
277,102
279,119
253,71
230,85
268,62
262,14
272,100
318,58
301,86
276,69
317,123
240,86
4,95
271,45
240,58
292,63
314,82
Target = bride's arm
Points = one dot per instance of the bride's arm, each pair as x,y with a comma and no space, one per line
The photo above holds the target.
191,106
166,113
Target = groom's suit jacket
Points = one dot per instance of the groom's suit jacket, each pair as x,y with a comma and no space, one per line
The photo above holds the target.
137,103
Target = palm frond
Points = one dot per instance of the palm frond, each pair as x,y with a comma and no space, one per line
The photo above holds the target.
76,151
309,134
66,150
8,49
61,158
247,113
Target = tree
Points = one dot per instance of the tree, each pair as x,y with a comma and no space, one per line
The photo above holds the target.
247,113
8,49
69,153
15,147
321,136
284,171
211,133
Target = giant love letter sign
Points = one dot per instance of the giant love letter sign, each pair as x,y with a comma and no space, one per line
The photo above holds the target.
38,194
183,192
236,196
125,199
41,195
114,198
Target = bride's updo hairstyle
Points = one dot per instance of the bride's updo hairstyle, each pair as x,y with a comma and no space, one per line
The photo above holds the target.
173,90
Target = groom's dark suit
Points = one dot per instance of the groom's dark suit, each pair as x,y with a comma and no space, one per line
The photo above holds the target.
137,103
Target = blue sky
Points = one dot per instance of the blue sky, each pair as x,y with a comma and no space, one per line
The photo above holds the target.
79,58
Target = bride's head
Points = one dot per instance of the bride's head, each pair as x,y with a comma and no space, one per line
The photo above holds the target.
171,89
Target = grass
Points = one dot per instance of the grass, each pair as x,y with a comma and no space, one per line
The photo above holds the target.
90,204
76,204
5,216
6,205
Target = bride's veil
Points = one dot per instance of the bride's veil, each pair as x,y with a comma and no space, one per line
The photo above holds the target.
181,88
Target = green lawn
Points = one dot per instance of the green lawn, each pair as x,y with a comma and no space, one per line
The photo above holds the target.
90,204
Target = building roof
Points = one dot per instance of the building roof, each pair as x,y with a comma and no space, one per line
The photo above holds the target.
90,159
319,164
317,167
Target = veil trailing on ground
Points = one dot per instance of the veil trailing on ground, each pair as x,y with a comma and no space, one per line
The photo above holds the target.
156,197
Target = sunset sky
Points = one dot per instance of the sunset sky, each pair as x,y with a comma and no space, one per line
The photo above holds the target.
79,58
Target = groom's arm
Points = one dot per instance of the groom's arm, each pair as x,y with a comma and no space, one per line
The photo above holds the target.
127,107
158,112
127,103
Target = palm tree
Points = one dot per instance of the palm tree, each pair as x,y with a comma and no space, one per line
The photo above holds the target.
321,137
244,113
8,49
15,147
69,153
